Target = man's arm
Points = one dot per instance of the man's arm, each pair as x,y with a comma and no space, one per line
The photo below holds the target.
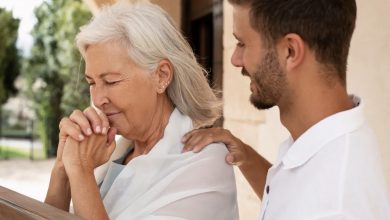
253,166
255,169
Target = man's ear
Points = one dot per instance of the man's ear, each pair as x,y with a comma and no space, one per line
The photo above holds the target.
164,74
293,50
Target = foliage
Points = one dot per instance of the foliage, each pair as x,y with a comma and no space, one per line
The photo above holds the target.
53,69
8,152
9,56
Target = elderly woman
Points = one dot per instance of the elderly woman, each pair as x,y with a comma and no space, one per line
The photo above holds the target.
146,86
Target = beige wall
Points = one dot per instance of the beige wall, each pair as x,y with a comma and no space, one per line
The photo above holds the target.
369,70
173,7
241,118
368,76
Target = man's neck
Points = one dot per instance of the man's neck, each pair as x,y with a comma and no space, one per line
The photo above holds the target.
311,105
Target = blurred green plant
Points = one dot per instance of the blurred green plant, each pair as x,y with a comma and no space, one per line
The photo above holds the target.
53,69
10,152
9,55
7,152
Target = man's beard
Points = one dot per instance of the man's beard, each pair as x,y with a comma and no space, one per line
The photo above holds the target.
270,82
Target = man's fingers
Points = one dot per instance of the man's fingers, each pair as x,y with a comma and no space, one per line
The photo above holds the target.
230,159
188,135
202,143
234,159
198,139
202,132
189,145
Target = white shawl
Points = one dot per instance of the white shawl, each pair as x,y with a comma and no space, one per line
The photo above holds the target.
170,185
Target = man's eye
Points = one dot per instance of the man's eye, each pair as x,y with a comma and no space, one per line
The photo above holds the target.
91,83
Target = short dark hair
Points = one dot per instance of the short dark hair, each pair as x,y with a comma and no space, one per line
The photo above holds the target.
326,26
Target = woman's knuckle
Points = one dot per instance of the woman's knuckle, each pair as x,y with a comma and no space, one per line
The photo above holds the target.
88,109
76,112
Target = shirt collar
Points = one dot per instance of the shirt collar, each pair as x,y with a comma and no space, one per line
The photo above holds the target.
311,142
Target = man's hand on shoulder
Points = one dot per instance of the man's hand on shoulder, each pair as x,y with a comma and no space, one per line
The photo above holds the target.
198,139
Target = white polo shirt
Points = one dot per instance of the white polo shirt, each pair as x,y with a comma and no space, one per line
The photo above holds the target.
331,172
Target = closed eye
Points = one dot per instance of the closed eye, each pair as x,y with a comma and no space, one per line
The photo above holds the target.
111,83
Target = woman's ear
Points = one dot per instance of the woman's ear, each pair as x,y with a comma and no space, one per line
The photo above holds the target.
164,74
293,48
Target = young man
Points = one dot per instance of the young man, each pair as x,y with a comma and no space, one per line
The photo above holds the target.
295,53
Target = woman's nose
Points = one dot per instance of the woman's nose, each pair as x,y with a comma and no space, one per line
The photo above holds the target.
98,96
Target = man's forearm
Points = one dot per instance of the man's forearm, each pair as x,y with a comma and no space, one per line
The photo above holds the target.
255,170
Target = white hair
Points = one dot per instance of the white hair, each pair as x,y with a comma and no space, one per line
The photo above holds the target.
150,36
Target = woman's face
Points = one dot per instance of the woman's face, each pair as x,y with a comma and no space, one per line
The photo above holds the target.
124,92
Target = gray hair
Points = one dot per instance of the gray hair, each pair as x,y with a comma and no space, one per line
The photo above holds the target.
150,36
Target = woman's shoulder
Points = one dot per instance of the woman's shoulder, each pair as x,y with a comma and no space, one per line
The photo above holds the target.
215,149
215,154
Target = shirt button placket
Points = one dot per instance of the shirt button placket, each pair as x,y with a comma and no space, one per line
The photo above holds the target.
265,201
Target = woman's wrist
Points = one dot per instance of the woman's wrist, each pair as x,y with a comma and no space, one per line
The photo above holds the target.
59,193
58,166
78,171
59,172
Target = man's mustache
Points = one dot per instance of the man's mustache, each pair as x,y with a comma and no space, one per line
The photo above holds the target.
244,72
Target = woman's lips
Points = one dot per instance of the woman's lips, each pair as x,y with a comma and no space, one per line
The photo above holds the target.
110,115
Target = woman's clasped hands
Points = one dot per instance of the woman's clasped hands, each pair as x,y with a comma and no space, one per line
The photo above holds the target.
85,142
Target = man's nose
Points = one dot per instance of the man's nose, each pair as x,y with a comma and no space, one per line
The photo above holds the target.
236,58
